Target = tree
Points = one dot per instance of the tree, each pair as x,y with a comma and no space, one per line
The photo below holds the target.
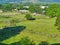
58,22
20,7
7,7
58,19
1,6
52,10
29,17
35,8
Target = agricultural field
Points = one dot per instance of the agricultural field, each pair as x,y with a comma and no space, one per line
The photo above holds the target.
41,29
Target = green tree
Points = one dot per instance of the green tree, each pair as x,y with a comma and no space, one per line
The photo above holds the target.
35,8
52,10
1,6
58,22
7,7
20,7
29,17
58,18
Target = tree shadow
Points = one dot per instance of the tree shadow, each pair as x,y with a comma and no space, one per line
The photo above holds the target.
56,44
22,43
3,44
16,43
8,32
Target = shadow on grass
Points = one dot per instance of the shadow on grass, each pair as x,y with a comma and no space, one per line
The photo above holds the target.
3,44
8,32
23,43
16,43
56,44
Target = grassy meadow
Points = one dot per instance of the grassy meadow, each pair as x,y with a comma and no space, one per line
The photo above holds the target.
41,29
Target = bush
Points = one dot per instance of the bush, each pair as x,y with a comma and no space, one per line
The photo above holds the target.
29,17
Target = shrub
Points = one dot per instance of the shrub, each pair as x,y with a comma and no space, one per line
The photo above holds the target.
29,17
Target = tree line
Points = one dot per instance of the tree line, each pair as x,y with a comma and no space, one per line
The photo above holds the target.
10,7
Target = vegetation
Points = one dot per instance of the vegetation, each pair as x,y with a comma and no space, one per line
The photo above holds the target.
18,29
36,34
29,17
58,22
23,41
35,8
10,7
53,10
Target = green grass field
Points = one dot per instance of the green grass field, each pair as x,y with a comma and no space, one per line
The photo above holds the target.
41,29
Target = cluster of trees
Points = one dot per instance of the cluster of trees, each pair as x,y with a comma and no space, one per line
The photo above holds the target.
53,10
10,7
32,8
35,8
58,22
